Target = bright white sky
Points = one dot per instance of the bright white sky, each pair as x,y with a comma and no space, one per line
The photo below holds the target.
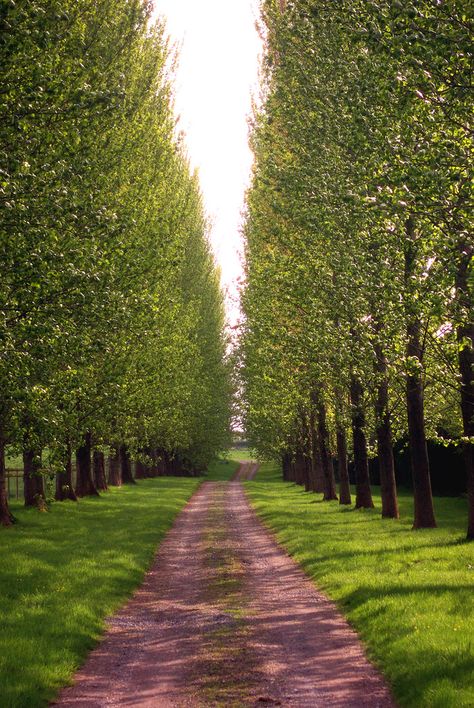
216,79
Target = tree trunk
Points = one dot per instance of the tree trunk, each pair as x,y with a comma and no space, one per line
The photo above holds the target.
344,482
126,467
85,486
291,470
299,469
160,462
325,453
64,484
318,473
304,462
388,486
33,482
151,466
141,471
285,464
363,493
312,472
465,337
466,365
6,517
115,478
424,511
99,471
420,466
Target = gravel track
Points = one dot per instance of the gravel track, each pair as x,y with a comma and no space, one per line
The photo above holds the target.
290,647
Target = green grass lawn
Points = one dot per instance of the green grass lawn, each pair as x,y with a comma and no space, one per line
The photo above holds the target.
221,470
64,571
409,594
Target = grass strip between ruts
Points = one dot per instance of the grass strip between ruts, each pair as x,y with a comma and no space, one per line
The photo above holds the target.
409,594
63,572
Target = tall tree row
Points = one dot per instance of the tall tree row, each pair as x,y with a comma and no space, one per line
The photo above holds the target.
111,315
358,324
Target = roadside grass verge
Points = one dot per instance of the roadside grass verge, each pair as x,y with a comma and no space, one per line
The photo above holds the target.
409,594
63,572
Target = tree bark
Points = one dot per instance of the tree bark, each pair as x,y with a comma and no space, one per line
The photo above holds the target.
141,471
99,471
64,484
420,466
85,486
160,462
318,473
115,478
325,453
344,482
465,337
466,366
151,466
304,462
285,464
6,517
293,471
33,482
126,467
361,462
424,510
388,486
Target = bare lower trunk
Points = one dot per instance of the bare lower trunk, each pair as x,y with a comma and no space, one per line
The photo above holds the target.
318,473
141,471
325,453
344,483
126,467
160,462
466,365
151,466
388,486
292,471
420,466
33,482
99,471
299,476
312,473
465,336
285,464
64,483
115,478
299,468
361,462
85,486
306,468
6,517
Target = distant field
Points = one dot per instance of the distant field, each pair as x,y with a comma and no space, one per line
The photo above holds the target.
410,594
241,454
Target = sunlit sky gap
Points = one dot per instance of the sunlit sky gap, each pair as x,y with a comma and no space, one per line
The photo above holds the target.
216,78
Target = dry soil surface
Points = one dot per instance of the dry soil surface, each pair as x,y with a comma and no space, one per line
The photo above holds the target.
226,618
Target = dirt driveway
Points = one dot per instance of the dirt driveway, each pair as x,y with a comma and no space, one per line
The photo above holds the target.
226,618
